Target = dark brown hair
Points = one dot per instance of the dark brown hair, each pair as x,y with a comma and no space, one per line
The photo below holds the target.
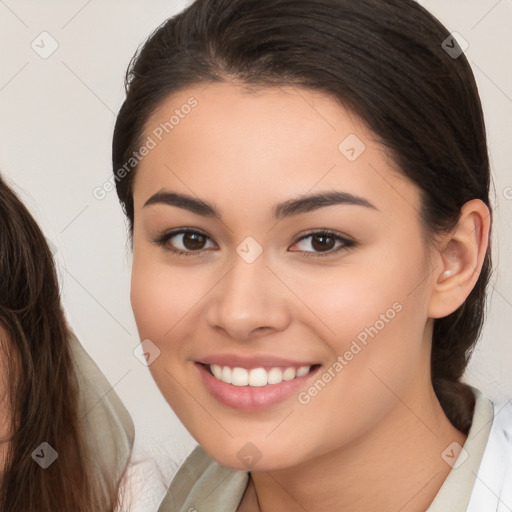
41,400
385,60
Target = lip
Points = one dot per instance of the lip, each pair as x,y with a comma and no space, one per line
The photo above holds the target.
247,398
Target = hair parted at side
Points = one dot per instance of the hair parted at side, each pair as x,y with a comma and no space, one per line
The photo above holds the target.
40,395
383,60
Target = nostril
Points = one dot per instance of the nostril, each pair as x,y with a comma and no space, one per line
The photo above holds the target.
262,330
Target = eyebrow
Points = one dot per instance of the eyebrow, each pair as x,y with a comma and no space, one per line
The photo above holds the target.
283,210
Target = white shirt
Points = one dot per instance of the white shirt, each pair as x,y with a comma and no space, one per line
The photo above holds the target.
493,486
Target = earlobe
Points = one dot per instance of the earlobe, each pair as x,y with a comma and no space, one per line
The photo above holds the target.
460,259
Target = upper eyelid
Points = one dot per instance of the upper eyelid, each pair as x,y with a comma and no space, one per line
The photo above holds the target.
332,234
324,232
181,231
314,231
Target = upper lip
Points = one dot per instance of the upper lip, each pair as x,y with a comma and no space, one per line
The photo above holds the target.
257,361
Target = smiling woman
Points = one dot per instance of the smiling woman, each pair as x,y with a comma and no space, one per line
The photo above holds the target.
328,175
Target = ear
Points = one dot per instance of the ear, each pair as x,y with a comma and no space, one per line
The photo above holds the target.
459,258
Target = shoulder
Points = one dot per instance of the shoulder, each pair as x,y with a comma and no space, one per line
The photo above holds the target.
202,483
142,487
493,486
108,426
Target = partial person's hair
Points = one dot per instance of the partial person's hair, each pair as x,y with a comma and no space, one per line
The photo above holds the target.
39,388
385,61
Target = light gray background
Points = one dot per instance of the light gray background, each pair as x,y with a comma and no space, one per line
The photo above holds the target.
56,120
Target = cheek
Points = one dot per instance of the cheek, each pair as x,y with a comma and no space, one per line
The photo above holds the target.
160,302
150,303
160,296
350,301
392,273
156,298
375,318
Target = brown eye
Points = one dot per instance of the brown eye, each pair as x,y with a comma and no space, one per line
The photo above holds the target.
185,241
322,242
193,241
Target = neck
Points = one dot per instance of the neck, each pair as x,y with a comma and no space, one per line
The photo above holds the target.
396,466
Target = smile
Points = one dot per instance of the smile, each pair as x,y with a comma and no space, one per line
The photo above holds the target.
254,385
256,377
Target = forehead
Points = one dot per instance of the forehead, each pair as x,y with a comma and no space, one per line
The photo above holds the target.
284,117
226,141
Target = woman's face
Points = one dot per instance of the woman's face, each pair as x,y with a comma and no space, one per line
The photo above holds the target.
307,267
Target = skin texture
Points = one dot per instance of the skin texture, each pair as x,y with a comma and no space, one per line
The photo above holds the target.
372,438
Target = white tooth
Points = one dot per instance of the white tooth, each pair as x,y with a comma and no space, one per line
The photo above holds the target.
303,370
226,374
240,377
275,376
257,377
216,370
289,374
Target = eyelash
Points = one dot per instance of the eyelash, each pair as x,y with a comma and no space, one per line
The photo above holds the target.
346,243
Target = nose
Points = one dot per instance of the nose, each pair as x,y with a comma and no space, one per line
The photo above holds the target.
249,301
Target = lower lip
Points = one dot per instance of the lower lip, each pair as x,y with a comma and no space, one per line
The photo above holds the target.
248,398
